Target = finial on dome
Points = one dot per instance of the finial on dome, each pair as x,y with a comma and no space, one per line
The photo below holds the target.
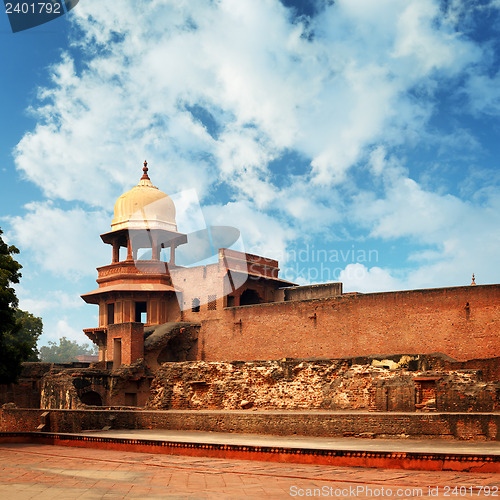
145,170
473,280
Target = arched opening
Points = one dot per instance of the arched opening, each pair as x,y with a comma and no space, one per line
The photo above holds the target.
248,297
195,305
91,398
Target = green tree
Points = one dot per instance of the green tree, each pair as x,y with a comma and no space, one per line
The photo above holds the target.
66,351
29,333
12,350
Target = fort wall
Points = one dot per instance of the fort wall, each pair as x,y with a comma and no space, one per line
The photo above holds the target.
397,384
461,322
476,426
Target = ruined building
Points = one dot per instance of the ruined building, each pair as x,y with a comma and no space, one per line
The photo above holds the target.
234,335
157,310
239,308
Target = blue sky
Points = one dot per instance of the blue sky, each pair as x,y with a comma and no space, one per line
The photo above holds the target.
352,140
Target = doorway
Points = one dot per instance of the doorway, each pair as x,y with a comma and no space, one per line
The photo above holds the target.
141,312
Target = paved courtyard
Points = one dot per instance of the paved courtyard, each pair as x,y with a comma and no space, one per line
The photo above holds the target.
57,472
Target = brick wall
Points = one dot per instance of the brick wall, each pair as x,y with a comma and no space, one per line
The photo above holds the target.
26,393
313,291
74,389
319,384
130,337
437,425
417,321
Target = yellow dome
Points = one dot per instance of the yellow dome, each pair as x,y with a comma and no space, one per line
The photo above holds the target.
144,207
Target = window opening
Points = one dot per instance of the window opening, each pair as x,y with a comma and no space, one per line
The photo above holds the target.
141,312
248,297
117,353
111,314
212,302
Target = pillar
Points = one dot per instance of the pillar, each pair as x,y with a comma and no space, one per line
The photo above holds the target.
116,251
172,255
155,248
129,249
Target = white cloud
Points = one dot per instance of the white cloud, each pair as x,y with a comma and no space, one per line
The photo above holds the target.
360,278
261,233
268,87
63,242
64,329
452,237
484,93
52,301
211,92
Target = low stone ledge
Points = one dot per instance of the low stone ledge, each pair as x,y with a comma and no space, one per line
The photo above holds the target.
463,426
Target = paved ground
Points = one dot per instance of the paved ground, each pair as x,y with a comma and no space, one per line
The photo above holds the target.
355,444
55,472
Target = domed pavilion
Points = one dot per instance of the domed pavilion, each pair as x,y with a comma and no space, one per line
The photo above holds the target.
137,286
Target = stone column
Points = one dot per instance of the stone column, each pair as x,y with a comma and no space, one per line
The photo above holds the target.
129,249
172,255
155,248
116,251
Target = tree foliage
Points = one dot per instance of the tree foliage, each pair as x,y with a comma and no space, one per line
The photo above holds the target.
66,351
31,327
12,353
9,275
19,330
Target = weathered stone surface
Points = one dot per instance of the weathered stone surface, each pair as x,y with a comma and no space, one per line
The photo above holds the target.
26,393
318,384
476,426
58,391
73,389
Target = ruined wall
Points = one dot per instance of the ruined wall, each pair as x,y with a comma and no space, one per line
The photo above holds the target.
26,393
462,322
464,392
489,368
274,384
202,283
313,291
319,384
482,426
76,389
59,392
170,342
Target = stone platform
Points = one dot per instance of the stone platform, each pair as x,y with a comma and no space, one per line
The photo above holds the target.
432,455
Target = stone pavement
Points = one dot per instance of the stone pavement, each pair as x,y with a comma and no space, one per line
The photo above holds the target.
31,471
317,443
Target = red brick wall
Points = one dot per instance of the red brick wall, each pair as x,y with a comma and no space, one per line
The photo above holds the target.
410,322
429,425
321,384
132,341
